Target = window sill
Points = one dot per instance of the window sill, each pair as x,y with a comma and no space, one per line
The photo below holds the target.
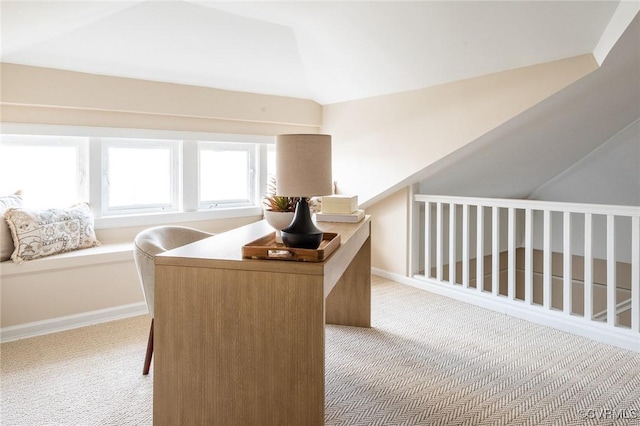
166,218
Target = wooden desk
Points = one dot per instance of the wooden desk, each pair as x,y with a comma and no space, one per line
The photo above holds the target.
241,341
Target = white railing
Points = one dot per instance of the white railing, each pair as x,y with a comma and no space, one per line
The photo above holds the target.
574,266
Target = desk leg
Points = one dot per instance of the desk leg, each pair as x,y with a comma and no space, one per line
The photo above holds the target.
349,302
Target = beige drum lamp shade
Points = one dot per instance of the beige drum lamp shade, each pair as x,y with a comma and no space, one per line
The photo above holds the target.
303,165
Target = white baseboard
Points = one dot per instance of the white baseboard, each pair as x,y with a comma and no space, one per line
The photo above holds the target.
38,328
600,332
589,329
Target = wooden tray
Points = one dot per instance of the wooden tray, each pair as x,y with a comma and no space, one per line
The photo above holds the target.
267,248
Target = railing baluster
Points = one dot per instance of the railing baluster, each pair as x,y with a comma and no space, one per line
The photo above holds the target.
635,274
427,239
528,256
495,251
611,270
567,272
480,248
511,264
452,243
546,279
446,233
439,242
465,245
588,266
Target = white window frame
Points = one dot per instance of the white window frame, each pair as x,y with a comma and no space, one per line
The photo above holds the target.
188,212
174,148
80,144
252,165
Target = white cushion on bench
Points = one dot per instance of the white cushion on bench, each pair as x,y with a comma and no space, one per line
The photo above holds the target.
112,252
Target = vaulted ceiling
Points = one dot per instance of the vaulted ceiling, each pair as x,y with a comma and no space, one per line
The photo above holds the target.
571,133
328,51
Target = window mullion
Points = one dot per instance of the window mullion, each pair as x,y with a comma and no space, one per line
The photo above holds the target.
95,176
190,182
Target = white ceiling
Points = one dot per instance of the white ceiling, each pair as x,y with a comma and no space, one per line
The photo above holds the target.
328,51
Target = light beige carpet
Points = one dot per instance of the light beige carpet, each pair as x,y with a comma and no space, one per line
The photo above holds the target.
428,360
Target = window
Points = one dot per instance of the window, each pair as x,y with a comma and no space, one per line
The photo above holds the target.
128,180
50,170
226,174
140,176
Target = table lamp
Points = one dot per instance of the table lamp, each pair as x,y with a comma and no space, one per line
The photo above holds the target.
303,169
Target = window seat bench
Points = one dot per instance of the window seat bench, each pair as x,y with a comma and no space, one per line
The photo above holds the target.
69,290
105,253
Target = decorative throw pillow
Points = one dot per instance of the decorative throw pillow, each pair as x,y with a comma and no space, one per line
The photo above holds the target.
40,233
6,241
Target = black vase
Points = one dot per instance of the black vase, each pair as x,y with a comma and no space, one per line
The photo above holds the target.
302,233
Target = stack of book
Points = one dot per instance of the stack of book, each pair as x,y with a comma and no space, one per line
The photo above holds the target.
340,208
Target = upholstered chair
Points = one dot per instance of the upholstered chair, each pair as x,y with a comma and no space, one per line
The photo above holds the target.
148,244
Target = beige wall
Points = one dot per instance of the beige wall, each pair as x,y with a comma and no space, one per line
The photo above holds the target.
46,295
50,96
389,239
382,144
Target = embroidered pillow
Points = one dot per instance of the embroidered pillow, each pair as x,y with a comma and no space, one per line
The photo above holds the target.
6,241
40,233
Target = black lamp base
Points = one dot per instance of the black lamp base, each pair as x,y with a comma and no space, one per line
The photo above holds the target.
302,233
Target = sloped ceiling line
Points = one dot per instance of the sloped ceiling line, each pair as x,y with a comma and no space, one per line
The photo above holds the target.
528,153
328,51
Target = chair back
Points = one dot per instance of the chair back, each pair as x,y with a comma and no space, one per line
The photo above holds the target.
153,241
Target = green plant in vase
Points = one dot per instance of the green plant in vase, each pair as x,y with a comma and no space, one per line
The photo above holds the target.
279,203
278,209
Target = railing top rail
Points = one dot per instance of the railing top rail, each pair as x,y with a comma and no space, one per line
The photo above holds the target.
532,204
